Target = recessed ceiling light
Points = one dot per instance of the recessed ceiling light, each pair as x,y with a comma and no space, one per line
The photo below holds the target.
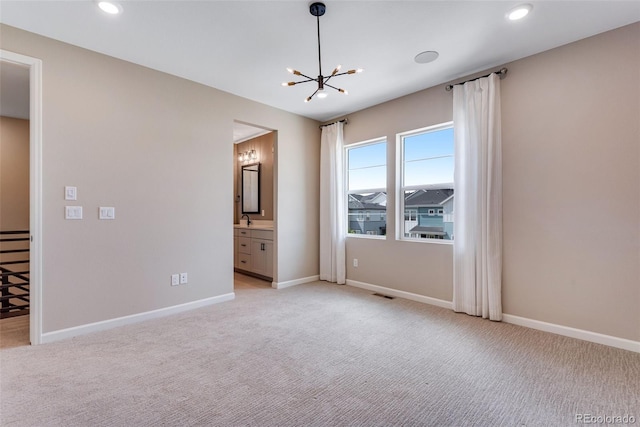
519,12
426,57
110,7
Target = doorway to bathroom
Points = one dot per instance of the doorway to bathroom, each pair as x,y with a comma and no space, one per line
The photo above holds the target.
254,214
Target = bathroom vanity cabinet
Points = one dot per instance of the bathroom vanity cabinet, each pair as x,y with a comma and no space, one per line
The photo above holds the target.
254,251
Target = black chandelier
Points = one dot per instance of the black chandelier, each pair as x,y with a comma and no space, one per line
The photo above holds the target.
318,9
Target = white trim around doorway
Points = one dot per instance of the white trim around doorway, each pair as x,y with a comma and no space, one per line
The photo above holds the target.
35,188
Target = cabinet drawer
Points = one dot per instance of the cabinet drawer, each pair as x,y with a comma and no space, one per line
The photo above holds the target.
262,234
244,245
243,232
244,261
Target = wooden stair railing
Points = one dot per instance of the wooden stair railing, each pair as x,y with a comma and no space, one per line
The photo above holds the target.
14,270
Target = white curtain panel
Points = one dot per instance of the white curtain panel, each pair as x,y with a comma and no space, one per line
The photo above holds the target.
332,203
477,245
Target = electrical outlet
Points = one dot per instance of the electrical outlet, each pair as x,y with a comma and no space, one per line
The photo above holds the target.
183,278
355,262
175,279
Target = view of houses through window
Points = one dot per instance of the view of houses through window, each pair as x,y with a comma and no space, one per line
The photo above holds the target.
367,188
426,187
427,183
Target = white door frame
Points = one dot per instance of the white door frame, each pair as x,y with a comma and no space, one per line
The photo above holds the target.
35,188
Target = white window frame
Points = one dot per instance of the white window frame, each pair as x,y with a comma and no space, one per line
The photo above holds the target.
401,188
366,190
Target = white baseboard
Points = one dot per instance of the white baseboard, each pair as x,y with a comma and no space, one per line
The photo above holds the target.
282,285
134,318
401,294
566,331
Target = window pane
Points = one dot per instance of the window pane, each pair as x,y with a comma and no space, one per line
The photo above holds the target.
427,164
428,158
428,145
368,155
367,213
361,179
367,166
428,214
429,172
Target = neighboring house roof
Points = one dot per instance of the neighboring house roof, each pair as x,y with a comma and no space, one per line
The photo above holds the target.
378,198
447,200
378,201
434,231
374,201
427,197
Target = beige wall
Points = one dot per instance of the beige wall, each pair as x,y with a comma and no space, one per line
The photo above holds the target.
14,174
158,149
571,192
264,146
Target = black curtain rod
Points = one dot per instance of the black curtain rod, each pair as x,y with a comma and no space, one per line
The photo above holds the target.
345,121
501,73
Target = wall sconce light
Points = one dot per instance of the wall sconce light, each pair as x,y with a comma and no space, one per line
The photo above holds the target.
248,156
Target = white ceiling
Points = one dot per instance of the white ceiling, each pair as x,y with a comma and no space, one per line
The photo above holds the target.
243,47
243,132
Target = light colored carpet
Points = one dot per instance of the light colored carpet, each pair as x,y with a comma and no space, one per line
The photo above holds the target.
316,355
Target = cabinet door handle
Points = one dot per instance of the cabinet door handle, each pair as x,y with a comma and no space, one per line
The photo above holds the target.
244,262
262,246
243,245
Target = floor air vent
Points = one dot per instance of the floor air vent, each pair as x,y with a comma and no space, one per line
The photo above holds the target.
383,296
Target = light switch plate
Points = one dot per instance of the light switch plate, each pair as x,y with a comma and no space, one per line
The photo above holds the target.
175,279
73,212
107,213
70,193
183,278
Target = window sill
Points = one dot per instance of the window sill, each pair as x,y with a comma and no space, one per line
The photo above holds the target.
435,241
366,236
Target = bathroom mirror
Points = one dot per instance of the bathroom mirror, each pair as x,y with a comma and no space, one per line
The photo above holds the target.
251,188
